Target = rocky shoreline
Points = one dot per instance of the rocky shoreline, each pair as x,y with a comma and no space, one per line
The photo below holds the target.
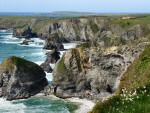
94,68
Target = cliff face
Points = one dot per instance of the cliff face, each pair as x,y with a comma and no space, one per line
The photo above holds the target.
102,30
98,30
94,71
111,45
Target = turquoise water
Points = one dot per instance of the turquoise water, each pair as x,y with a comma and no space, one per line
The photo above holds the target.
10,46
36,105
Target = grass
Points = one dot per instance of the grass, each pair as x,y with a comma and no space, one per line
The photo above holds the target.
93,26
139,103
61,66
21,64
133,95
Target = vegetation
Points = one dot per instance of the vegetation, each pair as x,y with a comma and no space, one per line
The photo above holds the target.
94,27
61,66
21,64
133,95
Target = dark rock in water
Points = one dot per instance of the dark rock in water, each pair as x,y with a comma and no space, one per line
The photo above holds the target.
54,42
20,78
53,56
24,32
46,67
53,45
26,42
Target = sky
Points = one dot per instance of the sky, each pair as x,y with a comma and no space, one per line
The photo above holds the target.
100,6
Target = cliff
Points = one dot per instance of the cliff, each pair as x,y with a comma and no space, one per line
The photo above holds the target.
109,30
111,50
134,89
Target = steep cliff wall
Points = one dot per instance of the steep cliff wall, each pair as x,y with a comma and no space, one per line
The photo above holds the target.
102,30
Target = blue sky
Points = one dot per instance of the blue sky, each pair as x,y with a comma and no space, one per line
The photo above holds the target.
102,6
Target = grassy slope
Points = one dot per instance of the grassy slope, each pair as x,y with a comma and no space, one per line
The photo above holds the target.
40,24
133,95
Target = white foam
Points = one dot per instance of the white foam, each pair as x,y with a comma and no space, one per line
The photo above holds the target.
69,45
85,105
49,76
52,65
39,62
38,54
10,107
61,53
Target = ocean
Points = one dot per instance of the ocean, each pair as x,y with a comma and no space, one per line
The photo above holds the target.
10,46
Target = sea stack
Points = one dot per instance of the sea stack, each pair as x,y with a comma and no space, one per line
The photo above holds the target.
20,78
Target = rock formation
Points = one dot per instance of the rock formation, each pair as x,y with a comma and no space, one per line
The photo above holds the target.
92,71
52,57
20,79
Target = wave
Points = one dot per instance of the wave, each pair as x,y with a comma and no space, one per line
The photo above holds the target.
32,45
49,76
52,66
39,62
10,107
9,39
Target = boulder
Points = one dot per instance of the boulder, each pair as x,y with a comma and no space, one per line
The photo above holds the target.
20,78
26,42
46,67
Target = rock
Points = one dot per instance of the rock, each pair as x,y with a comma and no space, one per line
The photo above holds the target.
20,78
53,56
26,42
24,32
69,73
53,45
79,71
46,67
54,42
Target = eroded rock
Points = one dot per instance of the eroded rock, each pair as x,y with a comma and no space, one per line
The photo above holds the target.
20,78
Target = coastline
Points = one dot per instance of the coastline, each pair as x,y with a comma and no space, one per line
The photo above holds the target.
83,105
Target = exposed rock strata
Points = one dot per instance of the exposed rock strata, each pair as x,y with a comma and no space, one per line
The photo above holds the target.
92,71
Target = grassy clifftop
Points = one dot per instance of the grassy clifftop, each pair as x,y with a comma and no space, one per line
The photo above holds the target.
133,95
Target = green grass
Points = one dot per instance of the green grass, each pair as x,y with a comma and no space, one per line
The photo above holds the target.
21,64
144,20
61,66
140,103
133,95
93,26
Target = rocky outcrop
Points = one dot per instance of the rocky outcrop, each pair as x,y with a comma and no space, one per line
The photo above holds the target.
103,31
26,42
24,32
46,67
20,79
98,30
54,42
92,71
52,57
